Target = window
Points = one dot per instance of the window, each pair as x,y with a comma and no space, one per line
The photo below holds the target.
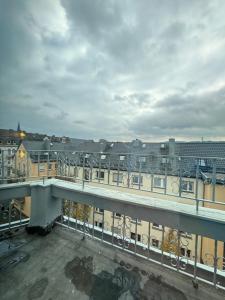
142,159
41,168
132,236
164,160
117,215
185,252
99,210
134,221
103,156
188,253
159,182
136,179
9,151
187,186
122,157
202,162
182,251
100,175
117,177
98,224
86,157
155,243
157,226
186,234
49,167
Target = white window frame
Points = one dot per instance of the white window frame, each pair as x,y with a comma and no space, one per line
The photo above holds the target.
115,177
134,182
188,184
162,183
101,172
157,226
41,167
133,220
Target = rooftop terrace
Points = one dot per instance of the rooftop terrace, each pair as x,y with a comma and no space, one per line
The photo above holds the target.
63,265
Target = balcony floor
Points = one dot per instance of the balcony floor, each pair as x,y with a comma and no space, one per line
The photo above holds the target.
63,266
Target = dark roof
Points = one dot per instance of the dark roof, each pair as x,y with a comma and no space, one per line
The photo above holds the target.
202,149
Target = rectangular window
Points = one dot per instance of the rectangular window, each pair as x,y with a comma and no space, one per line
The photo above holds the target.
100,175
134,221
155,243
136,179
49,167
185,252
117,215
159,182
186,234
156,226
98,224
142,159
132,236
117,177
41,167
187,186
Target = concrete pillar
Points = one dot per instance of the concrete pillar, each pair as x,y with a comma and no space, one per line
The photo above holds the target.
44,209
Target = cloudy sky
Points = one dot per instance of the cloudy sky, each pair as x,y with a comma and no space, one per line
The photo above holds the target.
114,69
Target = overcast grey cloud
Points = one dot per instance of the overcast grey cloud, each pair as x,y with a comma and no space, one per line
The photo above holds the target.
114,69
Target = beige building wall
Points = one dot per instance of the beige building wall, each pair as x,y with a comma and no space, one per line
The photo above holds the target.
29,170
209,244
146,189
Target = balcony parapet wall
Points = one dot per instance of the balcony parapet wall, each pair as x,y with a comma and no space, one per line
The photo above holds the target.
46,206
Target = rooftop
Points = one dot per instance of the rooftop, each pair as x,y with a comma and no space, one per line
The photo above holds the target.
63,265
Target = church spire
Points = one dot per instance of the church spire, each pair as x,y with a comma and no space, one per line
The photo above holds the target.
18,127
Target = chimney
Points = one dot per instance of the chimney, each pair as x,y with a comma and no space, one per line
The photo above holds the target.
46,143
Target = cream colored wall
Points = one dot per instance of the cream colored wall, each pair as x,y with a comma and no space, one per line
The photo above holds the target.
33,167
172,186
208,244
21,164
142,229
